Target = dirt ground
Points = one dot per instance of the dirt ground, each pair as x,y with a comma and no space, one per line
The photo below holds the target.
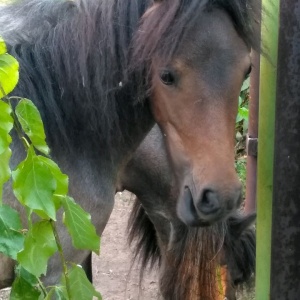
114,275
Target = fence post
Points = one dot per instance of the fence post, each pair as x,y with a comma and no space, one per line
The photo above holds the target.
250,202
285,259
267,96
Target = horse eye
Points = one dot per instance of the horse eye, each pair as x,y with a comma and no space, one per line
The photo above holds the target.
167,77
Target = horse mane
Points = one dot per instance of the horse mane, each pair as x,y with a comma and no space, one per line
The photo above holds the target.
73,58
142,233
240,246
195,255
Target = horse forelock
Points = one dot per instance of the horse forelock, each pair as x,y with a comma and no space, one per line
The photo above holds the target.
245,15
164,25
73,59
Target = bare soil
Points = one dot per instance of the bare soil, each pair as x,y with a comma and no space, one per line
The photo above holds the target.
114,275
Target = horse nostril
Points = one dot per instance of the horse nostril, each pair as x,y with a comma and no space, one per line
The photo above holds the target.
209,202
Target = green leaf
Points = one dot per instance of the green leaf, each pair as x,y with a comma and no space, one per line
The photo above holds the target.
39,246
246,84
30,278
2,46
25,286
244,112
57,293
239,118
6,124
62,180
80,227
4,169
6,120
240,100
80,286
31,122
9,74
11,241
5,139
34,184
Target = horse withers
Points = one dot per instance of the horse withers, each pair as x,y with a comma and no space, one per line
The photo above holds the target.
102,72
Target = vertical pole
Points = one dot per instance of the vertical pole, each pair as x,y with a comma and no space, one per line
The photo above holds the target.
250,203
267,98
285,260
251,176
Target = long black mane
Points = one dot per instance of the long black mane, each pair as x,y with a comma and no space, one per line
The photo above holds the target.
75,55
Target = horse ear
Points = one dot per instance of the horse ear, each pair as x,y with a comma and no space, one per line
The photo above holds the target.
240,224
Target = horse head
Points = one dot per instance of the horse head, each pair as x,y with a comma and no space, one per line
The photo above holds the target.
197,67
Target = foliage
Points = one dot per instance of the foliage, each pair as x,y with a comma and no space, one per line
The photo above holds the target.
243,111
9,74
241,132
240,166
242,119
41,187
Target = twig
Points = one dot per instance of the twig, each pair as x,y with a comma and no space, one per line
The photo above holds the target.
61,254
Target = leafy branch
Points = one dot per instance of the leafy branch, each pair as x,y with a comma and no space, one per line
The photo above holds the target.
42,189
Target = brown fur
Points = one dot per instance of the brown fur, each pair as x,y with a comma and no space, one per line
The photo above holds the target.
192,263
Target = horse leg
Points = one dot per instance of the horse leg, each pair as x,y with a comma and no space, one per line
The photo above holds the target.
82,257
87,267
6,271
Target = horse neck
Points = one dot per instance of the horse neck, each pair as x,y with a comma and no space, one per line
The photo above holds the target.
111,153
149,168
133,130
74,128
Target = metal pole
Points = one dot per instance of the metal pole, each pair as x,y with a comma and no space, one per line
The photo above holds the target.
267,98
285,261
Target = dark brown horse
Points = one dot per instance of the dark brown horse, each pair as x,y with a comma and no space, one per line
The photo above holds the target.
103,71
193,262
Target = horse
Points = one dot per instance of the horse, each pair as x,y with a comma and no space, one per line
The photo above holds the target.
102,72
189,259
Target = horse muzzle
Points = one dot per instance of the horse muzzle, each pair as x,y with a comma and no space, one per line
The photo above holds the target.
211,205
